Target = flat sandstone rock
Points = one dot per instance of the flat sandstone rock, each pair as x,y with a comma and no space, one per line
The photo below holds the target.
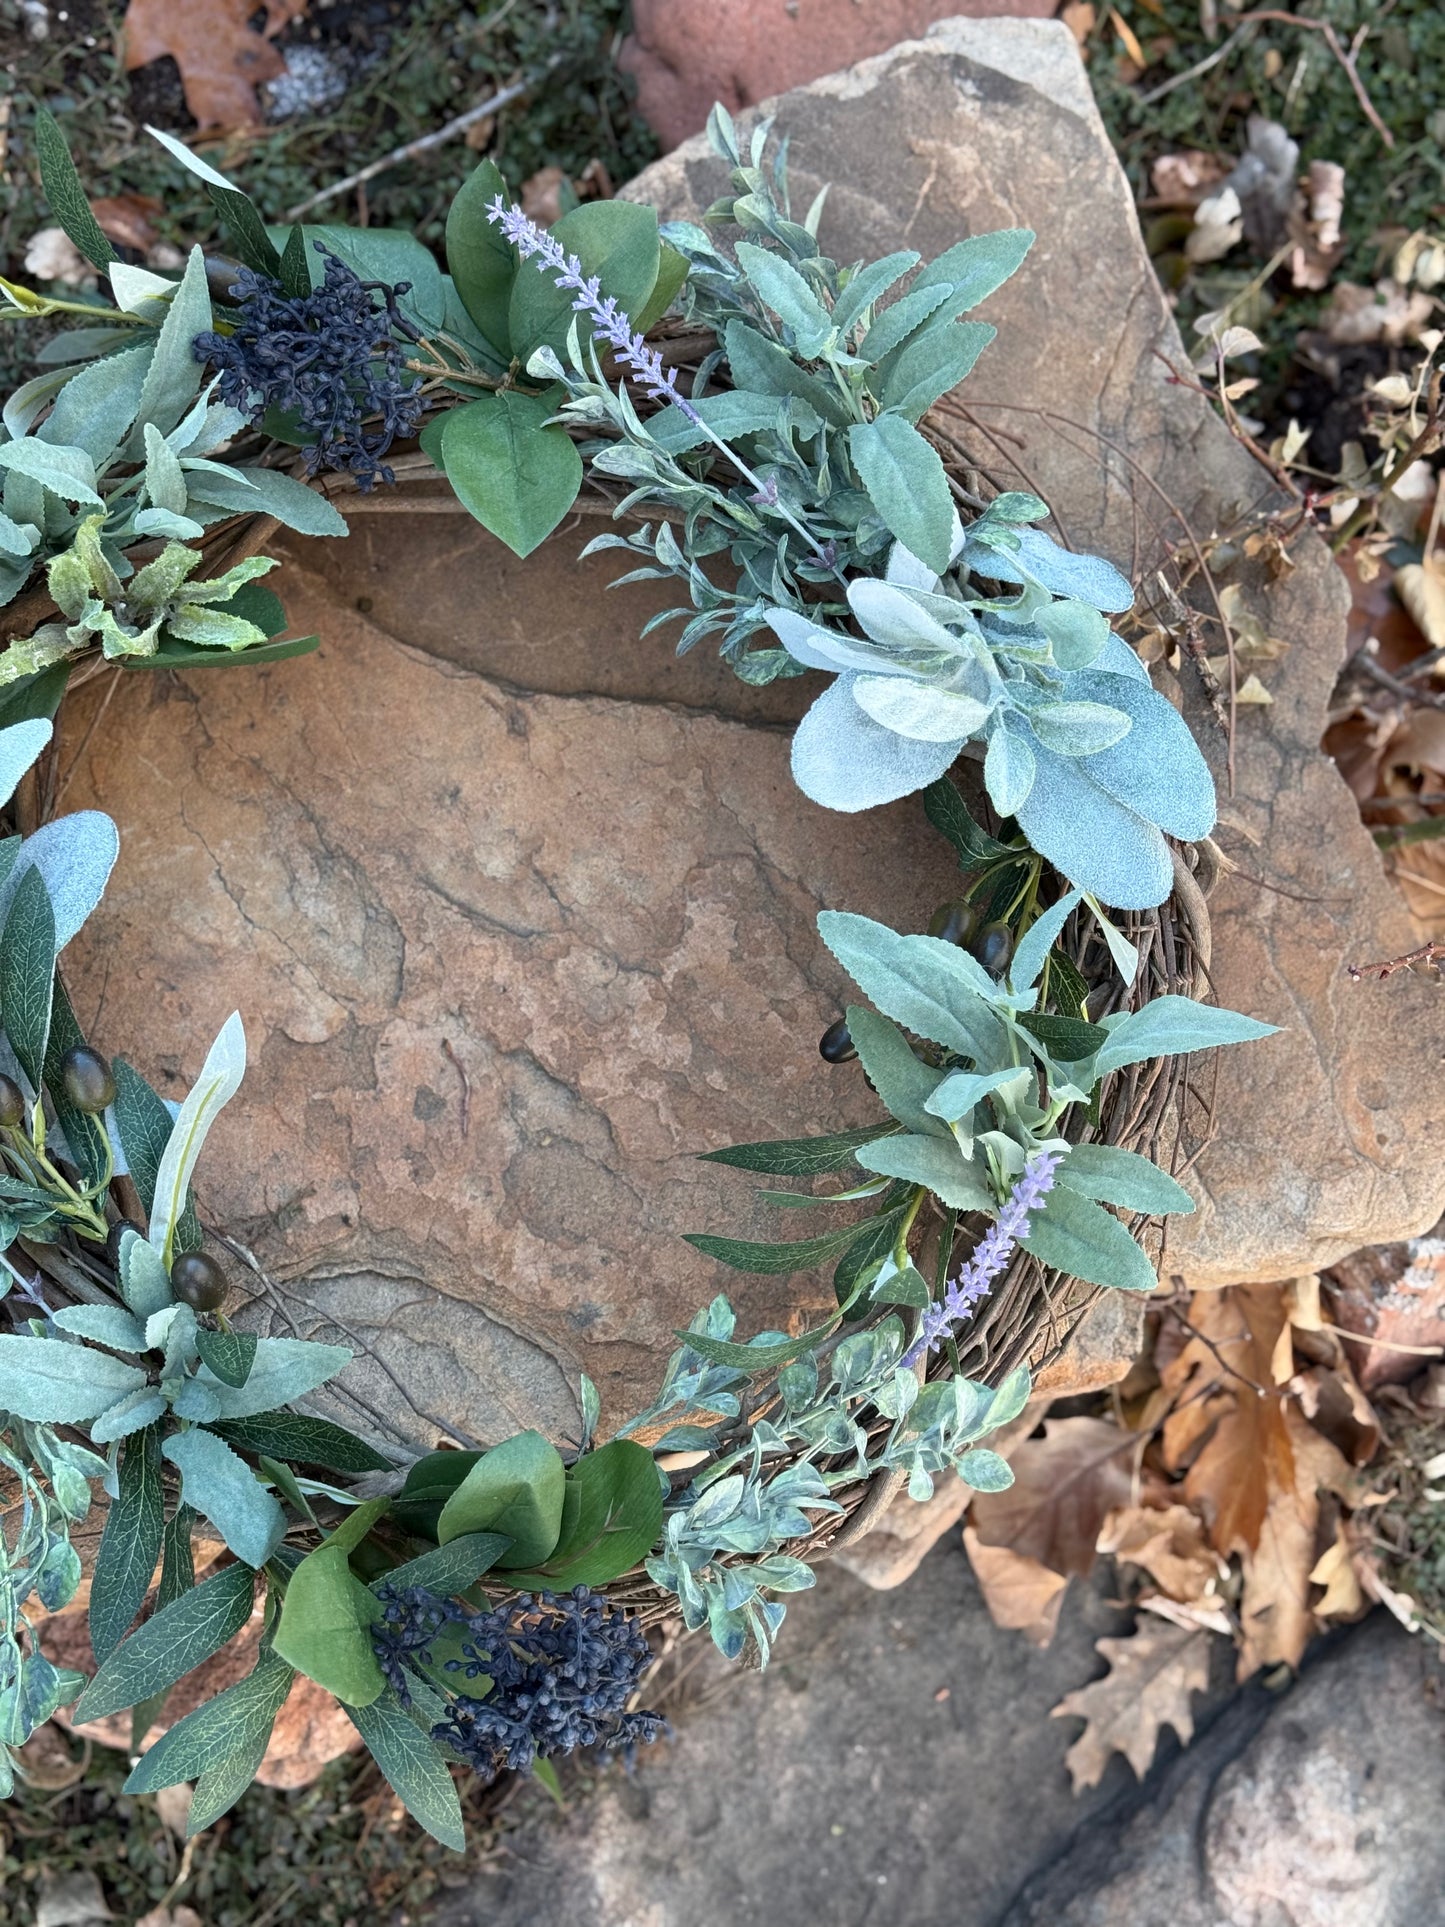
509,957
1324,1137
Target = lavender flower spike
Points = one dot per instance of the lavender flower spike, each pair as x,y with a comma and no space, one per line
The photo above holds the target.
995,1249
610,324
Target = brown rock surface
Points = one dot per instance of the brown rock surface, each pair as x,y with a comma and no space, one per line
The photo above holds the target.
1325,1137
508,960
685,54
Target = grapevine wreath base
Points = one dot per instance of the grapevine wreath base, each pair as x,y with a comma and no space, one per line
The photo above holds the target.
753,421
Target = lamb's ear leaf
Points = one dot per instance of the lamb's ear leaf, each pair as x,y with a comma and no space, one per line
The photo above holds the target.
904,477
1084,1241
223,1487
65,194
1116,1176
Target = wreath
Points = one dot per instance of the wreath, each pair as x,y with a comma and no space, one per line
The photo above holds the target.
759,422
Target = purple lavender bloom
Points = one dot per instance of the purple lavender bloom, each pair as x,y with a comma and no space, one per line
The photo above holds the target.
609,323
975,1280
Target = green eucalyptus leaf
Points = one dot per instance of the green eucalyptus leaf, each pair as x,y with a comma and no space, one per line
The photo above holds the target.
325,1627
615,240
611,1519
516,1489
515,474
480,260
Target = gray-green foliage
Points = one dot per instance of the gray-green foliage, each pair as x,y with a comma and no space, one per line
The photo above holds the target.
821,401
993,1077
840,1417
847,544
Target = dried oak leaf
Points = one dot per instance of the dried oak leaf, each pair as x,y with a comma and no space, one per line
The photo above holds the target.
222,58
1021,1595
1065,1485
1167,1542
1228,1426
1275,1614
1151,1678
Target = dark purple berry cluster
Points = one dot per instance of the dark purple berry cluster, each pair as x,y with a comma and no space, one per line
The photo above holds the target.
330,358
561,1672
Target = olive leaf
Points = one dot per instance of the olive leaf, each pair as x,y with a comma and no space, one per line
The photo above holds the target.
218,1082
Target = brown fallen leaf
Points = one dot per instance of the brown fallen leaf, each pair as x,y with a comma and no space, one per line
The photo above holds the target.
1421,587
1275,1615
1065,1485
222,57
1335,1571
1167,1542
1021,1595
128,219
1152,1676
1185,179
1228,1426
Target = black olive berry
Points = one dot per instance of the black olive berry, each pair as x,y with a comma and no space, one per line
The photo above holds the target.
994,947
836,1043
87,1079
198,1281
12,1103
954,922
114,1236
